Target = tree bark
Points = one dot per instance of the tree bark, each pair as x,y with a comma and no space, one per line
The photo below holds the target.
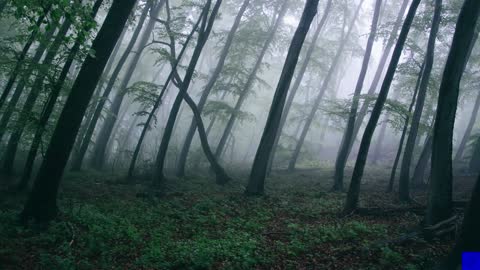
323,89
440,196
208,88
250,81
41,204
354,189
257,175
205,29
79,157
404,182
348,136
98,158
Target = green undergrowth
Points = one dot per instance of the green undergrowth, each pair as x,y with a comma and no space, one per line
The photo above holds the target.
197,225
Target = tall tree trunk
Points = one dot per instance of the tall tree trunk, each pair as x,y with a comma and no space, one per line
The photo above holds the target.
323,89
205,29
404,182
468,131
250,81
256,182
375,156
23,54
51,101
158,101
474,165
41,204
378,74
105,133
469,239
404,132
440,196
28,107
299,79
79,157
12,103
348,136
354,189
208,88
422,164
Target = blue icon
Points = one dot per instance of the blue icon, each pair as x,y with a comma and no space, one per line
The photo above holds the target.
471,261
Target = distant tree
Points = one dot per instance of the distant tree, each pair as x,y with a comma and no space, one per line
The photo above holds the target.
468,131
41,204
348,136
474,165
404,182
80,155
354,189
257,175
182,160
440,196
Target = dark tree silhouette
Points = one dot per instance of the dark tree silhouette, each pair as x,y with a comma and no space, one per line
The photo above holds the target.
257,175
42,201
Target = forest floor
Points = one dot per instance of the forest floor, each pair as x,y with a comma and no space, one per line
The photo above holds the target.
105,225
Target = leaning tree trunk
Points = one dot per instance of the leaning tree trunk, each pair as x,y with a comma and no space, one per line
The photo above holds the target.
205,29
98,158
404,182
299,79
422,164
378,74
79,157
256,182
12,103
23,54
208,88
404,133
468,132
323,89
440,196
15,137
348,136
469,239
250,81
474,165
51,101
354,189
158,101
42,201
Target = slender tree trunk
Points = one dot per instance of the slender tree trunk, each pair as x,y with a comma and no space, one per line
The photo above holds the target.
468,132
15,137
151,115
375,156
469,239
12,103
205,29
251,80
23,54
404,132
422,164
378,74
299,79
52,99
79,157
440,196
256,182
105,133
208,88
41,204
404,182
323,89
474,165
354,189
348,136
